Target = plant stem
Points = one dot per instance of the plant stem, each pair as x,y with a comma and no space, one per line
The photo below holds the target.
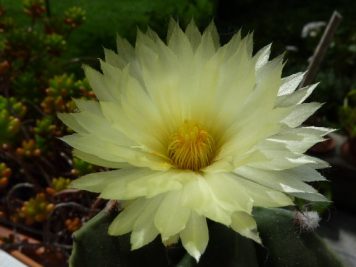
320,50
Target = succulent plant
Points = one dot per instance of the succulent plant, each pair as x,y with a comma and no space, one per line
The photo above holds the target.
34,8
36,209
74,16
5,173
60,183
11,112
73,224
29,148
61,90
81,167
55,44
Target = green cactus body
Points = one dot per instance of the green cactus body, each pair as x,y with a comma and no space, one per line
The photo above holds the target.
284,245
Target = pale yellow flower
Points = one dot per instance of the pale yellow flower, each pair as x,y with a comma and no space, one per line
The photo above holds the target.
194,130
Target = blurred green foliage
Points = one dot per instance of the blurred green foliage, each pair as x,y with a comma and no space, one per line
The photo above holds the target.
347,114
105,18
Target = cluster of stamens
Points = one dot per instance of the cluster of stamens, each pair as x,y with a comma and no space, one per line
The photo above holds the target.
191,147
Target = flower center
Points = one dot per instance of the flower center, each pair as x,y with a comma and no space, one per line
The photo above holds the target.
191,147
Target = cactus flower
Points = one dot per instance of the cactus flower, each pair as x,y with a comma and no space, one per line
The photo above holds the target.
193,130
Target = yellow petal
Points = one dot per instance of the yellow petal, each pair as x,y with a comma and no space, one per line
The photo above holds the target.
139,119
115,153
236,82
100,127
171,216
263,196
144,230
213,32
125,49
156,184
290,83
278,180
143,236
112,79
98,161
179,43
141,182
315,197
238,136
88,105
114,59
297,140
124,222
97,83
300,113
71,122
296,97
95,146
306,174
193,34
195,236
96,182
198,196
228,193
262,56
245,225
208,44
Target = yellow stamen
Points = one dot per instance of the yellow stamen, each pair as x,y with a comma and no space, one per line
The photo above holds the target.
191,147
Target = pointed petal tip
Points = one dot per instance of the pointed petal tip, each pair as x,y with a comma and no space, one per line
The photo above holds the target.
192,23
117,229
60,114
86,67
256,237
63,138
251,234
111,231
193,251
136,241
135,246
